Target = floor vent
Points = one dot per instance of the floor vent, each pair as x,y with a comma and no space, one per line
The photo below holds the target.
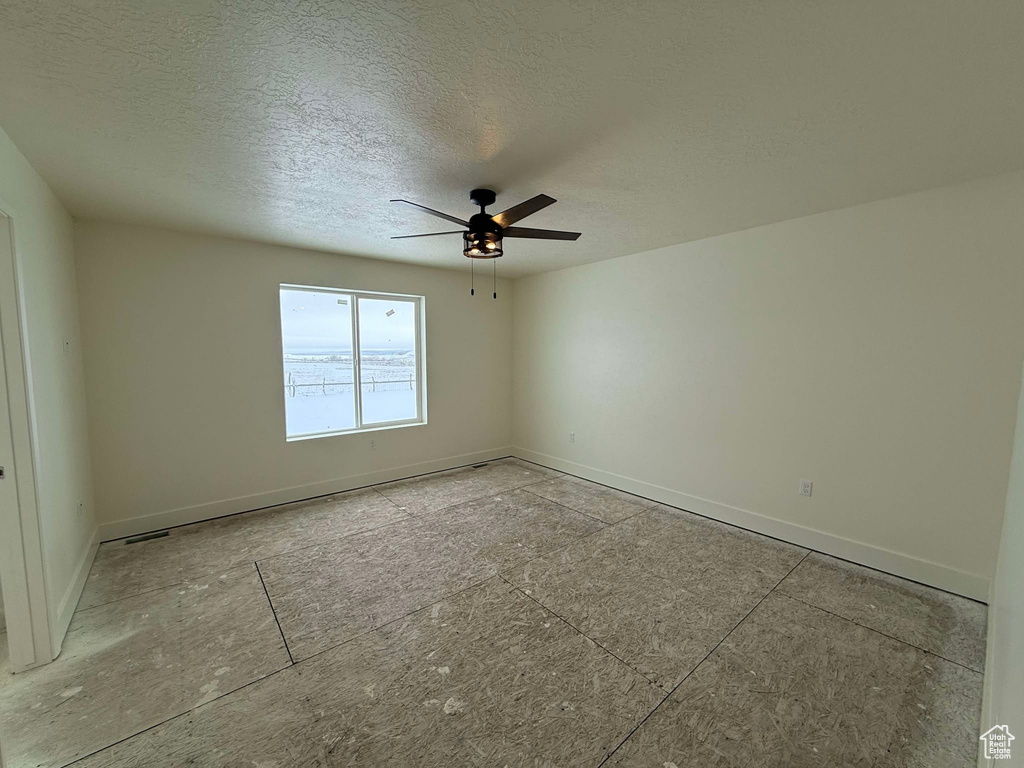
477,466
146,537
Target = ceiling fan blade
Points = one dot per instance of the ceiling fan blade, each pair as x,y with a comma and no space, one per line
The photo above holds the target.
540,234
524,209
432,212
428,234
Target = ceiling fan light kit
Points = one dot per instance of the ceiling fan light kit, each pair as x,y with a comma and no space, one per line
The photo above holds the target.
482,238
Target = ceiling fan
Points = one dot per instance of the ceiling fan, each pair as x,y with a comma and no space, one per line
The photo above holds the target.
483,234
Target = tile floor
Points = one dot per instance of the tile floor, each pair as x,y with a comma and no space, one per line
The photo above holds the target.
505,615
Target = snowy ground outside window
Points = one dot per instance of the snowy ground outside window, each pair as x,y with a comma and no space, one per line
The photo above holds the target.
320,396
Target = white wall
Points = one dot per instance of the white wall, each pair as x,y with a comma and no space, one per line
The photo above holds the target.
184,379
1004,668
45,256
875,350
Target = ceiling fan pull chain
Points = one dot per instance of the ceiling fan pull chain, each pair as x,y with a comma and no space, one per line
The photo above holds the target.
472,288
494,276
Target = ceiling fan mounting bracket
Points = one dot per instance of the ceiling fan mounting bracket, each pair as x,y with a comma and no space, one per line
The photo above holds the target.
482,197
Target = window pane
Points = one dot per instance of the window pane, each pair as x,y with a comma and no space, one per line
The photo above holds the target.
318,363
387,359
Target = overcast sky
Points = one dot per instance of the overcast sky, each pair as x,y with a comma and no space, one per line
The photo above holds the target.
315,323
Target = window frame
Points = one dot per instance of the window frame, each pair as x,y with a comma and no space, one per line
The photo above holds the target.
419,340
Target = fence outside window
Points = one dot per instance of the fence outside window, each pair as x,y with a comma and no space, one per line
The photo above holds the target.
324,387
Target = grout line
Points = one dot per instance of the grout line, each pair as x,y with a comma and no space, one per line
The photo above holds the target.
698,664
129,597
581,512
450,469
654,502
195,577
276,620
604,527
377,490
488,495
370,631
879,632
553,551
387,498
579,631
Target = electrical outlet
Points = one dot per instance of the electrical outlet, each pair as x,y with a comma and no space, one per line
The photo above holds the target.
67,347
805,487
572,437
81,507
373,445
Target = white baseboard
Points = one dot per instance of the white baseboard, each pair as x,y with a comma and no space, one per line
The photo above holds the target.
132,526
927,572
69,602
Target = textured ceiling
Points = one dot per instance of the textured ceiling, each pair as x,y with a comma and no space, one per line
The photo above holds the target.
652,122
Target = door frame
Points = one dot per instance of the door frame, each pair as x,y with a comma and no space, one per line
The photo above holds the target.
22,575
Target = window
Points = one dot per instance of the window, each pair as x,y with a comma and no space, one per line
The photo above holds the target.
332,339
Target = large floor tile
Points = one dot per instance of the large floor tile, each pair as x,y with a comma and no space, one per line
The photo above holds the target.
329,594
606,504
486,678
947,625
794,686
122,570
660,589
128,665
429,493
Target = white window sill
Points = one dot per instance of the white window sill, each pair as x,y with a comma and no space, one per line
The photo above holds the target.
360,431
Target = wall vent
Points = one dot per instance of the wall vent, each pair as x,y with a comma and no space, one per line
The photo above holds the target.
146,537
